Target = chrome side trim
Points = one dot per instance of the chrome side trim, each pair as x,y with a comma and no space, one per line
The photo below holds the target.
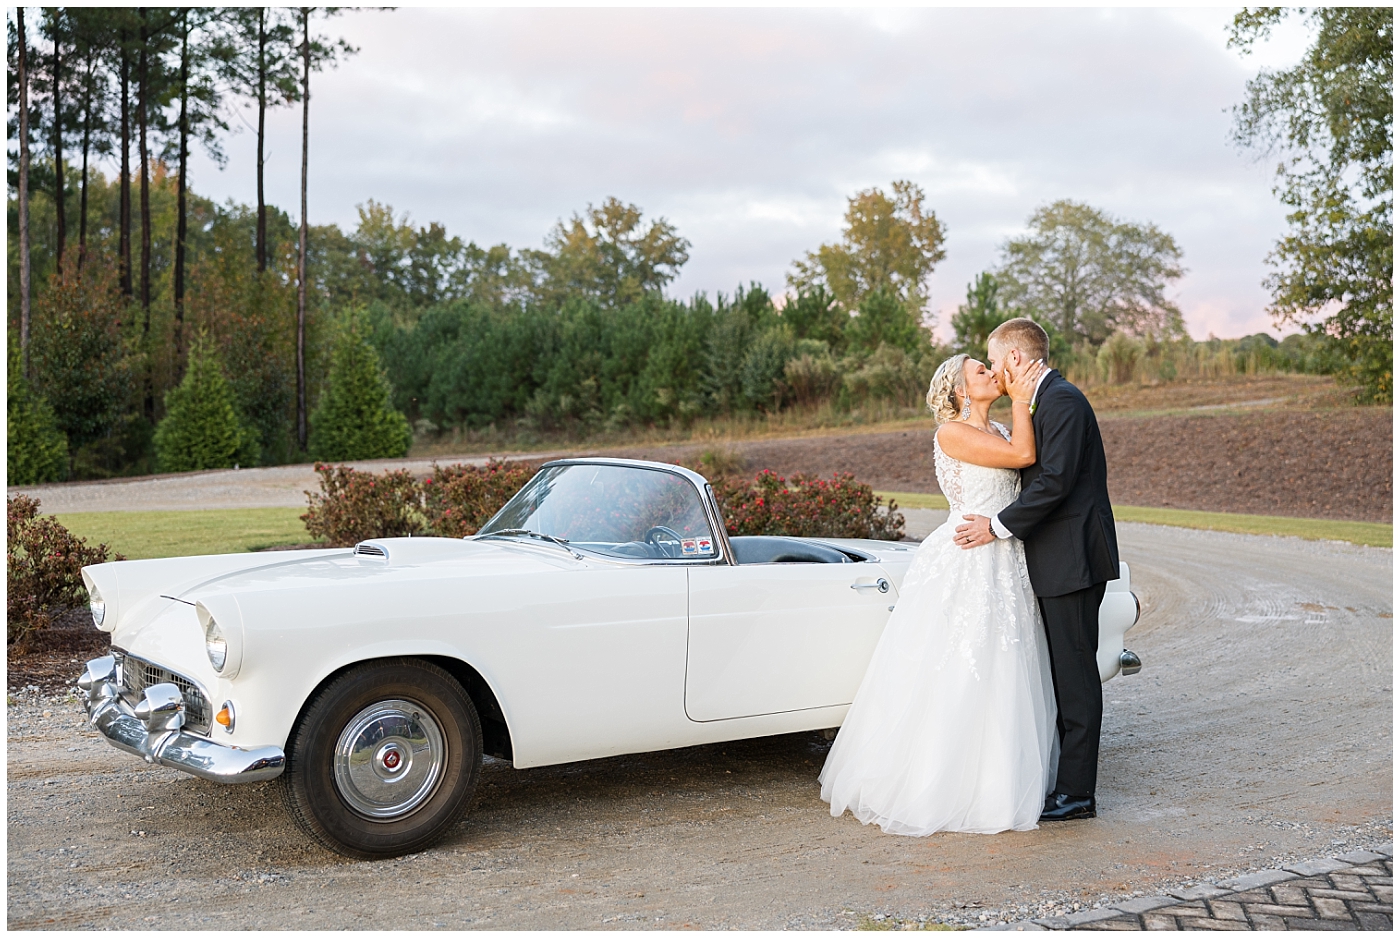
158,739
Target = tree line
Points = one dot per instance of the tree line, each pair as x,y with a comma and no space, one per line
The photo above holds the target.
99,82
236,334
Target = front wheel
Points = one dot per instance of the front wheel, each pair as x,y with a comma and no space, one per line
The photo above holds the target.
385,759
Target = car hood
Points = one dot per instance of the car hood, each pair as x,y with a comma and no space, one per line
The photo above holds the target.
136,591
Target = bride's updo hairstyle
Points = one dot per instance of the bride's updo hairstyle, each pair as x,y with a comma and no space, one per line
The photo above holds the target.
947,383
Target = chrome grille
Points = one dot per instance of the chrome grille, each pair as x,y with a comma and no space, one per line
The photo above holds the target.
136,674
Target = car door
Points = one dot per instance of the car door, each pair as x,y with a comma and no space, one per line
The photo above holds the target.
778,637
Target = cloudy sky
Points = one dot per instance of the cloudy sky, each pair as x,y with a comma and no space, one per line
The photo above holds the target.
749,128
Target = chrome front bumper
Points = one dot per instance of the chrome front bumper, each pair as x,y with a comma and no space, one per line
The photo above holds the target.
151,729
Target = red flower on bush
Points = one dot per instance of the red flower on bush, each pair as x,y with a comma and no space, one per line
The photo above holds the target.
804,506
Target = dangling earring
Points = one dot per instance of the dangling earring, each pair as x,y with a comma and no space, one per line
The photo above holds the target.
967,408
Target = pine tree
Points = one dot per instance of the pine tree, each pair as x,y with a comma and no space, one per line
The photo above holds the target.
354,418
202,428
37,450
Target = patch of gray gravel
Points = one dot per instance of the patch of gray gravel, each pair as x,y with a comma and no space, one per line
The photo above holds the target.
1258,733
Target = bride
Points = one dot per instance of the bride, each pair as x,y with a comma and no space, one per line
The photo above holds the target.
953,728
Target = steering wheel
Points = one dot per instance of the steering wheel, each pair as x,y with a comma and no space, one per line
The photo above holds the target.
666,551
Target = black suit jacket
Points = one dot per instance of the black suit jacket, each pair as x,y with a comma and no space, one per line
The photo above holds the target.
1063,514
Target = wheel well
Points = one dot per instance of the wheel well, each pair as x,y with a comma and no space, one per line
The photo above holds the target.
494,731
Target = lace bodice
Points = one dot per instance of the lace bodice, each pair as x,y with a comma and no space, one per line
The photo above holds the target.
973,489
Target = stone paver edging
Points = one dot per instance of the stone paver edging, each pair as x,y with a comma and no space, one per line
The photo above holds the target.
1350,892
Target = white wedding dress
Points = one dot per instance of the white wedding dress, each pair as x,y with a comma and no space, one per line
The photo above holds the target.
953,728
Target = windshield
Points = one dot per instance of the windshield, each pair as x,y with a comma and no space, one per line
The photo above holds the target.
620,511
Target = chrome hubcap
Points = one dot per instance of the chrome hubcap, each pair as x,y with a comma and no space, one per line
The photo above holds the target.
389,759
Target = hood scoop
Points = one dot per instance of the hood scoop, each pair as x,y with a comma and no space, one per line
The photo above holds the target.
406,551
367,551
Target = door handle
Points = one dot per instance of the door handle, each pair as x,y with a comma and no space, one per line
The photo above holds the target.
881,584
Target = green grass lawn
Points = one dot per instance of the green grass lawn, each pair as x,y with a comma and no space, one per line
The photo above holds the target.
1313,529
915,500
143,534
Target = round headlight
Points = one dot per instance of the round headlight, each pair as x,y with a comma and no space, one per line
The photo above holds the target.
97,606
215,645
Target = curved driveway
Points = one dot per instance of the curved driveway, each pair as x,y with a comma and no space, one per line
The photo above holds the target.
1258,731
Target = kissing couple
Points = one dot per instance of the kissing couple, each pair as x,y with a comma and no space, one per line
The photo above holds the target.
981,707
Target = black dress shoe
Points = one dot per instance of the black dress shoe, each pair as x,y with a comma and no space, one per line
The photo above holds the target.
1068,808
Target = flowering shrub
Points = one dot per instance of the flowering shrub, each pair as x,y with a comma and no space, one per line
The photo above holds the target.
353,505
806,506
458,500
454,501
43,567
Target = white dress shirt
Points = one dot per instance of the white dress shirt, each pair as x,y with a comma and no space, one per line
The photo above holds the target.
999,529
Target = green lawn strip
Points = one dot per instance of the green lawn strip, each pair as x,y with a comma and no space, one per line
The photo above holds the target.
145,534
915,500
1314,529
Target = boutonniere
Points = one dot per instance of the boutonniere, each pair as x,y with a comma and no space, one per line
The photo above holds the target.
1033,403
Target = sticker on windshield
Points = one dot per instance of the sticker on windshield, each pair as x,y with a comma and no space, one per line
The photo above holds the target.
688,546
705,545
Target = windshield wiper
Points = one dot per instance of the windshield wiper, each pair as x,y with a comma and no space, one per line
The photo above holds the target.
562,542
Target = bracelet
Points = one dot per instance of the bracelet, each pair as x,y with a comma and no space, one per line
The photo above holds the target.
1014,401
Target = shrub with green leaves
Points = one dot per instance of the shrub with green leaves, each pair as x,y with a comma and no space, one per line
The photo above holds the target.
202,428
355,418
43,567
37,449
889,374
813,376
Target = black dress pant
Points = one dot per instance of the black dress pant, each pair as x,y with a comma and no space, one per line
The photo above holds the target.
1072,628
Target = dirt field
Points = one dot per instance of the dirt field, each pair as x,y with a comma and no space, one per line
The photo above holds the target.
1333,463
1258,732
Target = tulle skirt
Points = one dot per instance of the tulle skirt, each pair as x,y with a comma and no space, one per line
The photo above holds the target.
953,728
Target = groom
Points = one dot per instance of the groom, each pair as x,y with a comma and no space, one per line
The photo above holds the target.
1066,522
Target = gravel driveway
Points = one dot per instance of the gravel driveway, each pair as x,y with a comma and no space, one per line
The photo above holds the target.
1258,732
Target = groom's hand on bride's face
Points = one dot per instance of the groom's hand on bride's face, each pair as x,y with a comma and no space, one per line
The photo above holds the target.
975,533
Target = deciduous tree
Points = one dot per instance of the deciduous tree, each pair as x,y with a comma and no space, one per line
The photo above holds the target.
1087,274
79,362
890,242
608,253
1329,120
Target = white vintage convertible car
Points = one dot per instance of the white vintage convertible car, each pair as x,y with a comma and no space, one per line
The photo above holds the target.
602,611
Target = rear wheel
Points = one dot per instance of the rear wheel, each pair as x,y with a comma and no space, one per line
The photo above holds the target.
385,759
